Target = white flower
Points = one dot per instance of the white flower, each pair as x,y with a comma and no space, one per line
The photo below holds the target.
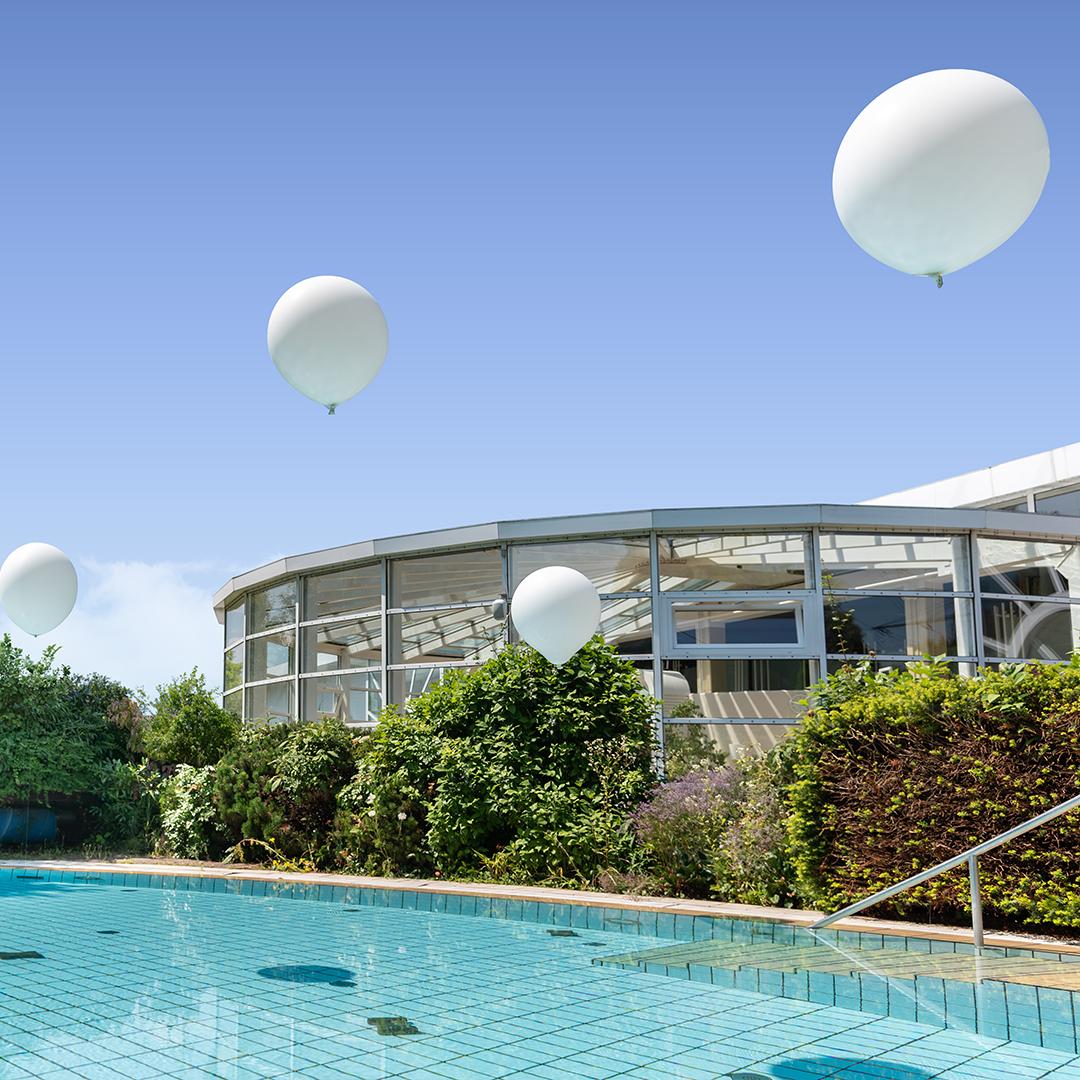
402,815
371,813
371,798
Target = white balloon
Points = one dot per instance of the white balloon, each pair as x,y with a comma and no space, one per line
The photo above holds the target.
328,338
940,170
38,586
556,610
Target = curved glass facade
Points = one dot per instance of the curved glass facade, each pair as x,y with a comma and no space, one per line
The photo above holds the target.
728,626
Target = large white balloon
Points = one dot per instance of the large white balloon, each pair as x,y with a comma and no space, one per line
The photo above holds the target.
940,169
38,586
327,336
556,610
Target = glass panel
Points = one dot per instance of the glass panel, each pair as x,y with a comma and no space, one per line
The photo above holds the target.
899,625
271,701
627,625
234,703
462,634
1029,567
1015,506
1030,631
446,579
734,623
343,645
612,565
271,657
895,563
750,689
408,683
1060,502
764,561
691,747
353,699
957,667
234,668
357,589
275,606
234,624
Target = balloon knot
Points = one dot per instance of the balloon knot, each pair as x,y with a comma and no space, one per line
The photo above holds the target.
938,278
330,410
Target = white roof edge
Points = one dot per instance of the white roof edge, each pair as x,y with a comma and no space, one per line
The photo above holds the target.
801,515
996,482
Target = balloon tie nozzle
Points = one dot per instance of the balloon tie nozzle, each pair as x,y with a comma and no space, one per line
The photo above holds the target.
938,278
330,410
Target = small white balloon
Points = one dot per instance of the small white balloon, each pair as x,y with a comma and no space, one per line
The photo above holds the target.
38,587
328,338
940,169
556,610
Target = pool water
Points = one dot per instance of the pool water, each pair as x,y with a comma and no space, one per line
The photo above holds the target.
154,982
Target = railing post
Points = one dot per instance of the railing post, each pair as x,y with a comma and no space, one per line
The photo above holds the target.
976,902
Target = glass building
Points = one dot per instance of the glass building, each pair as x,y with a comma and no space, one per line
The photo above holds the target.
729,614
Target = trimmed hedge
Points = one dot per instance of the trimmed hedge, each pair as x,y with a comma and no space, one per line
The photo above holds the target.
898,770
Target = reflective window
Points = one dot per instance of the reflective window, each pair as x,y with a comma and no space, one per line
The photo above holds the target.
271,657
455,634
446,579
357,589
272,607
406,683
234,624
692,747
353,699
1060,502
343,645
763,561
612,565
899,625
234,703
234,668
1016,506
271,701
1029,567
1014,629
748,689
735,623
895,563
627,625
958,667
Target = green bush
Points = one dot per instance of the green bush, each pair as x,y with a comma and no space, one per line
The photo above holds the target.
897,770
279,786
518,770
187,725
190,827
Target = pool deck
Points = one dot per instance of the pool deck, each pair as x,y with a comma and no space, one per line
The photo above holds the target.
625,901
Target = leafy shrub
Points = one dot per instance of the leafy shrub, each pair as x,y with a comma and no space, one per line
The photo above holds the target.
190,828
897,770
55,735
518,770
127,813
187,725
691,749
280,784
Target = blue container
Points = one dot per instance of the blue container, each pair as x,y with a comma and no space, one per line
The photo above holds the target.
30,825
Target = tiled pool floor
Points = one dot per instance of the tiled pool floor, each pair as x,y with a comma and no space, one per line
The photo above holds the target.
176,991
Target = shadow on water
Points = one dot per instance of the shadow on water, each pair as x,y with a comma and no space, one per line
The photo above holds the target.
825,1065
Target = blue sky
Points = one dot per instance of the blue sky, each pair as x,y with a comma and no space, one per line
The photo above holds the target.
603,237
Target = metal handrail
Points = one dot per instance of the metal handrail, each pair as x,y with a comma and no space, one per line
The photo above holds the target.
971,857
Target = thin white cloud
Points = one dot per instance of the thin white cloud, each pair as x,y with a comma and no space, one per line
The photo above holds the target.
140,623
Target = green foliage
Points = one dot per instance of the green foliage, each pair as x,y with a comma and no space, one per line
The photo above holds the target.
688,748
187,725
279,785
518,770
127,810
190,828
55,734
897,770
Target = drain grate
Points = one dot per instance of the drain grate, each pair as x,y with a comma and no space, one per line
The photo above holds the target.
309,973
393,1025
21,956
108,931
563,933
30,877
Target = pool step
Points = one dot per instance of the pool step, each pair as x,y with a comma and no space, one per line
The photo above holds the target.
1024,997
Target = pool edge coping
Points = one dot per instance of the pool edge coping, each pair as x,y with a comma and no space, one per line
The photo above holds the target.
624,901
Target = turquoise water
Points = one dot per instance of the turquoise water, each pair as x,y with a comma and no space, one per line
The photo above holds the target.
153,982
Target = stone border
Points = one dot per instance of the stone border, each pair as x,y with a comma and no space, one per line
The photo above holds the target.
626,902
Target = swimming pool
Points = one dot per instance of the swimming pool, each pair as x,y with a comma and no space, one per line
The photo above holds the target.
106,979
